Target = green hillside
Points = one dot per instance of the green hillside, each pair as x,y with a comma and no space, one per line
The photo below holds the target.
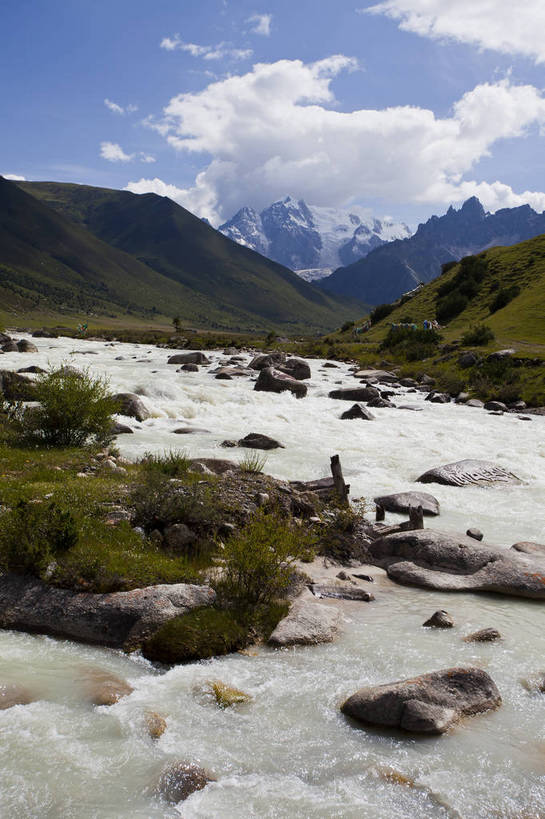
494,273
485,303
225,285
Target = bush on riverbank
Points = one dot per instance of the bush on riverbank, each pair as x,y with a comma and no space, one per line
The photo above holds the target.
34,535
198,635
75,409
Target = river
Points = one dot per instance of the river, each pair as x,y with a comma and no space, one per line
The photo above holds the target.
290,752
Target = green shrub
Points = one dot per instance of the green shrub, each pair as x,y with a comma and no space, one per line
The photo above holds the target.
158,500
446,266
414,345
503,297
450,306
478,336
259,561
380,312
347,326
198,635
33,535
75,410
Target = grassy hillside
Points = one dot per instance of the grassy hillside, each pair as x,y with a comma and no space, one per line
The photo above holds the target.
230,286
466,297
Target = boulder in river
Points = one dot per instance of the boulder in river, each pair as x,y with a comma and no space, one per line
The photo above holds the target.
529,548
189,368
131,405
179,780
188,358
10,346
255,440
402,502
156,725
271,380
447,562
341,591
357,411
260,362
476,534
118,619
307,623
495,406
355,393
297,368
428,704
467,472
439,619
25,346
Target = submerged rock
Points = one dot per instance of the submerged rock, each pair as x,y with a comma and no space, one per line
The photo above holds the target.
227,695
529,548
427,704
179,780
308,623
401,502
156,725
12,694
440,619
271,380
341,591
102,687
118,619
467,472
447,562
485,635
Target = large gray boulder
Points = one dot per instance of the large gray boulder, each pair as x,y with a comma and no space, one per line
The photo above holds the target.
401,502
119,620
466,472
357,411
132,406
447,562
271,380
428,704
188,358
260,362
25,346
355,393
297,368
308,623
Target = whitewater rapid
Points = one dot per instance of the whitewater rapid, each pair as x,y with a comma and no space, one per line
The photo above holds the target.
290,752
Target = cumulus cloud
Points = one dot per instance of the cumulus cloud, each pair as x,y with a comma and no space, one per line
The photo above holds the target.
13,177
147,158
277,129
261,24
119,109
207,52
114,152
511,28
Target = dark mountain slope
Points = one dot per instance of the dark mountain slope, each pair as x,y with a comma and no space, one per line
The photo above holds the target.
236,281
399,266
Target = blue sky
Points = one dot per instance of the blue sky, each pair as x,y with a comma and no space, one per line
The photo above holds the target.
221,103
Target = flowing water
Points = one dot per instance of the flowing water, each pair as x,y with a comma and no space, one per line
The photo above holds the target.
290,752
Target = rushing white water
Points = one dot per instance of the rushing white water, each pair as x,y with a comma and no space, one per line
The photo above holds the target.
290,752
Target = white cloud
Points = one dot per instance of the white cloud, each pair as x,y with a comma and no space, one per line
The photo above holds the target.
207,52
114,152
500,25
261,24
13,177
147,157
118,109
274,131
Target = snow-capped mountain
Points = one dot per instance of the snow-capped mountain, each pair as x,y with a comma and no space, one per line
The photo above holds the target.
311,240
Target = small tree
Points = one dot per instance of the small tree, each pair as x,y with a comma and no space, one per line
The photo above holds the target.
259,561
177,324
74,409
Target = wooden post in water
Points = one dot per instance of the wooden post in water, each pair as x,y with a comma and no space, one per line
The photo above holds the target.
379,512
342,489
416,517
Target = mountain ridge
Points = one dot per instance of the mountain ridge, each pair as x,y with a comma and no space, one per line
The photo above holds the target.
399,266
310,239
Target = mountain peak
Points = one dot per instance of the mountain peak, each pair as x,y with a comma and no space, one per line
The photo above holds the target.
473,208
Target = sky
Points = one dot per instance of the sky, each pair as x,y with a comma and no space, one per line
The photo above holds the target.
402,106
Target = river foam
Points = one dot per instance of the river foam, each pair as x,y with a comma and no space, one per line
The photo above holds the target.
290,752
